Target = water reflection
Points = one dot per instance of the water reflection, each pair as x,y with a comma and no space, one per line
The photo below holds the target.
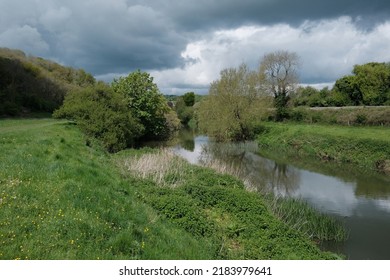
360,199
258,173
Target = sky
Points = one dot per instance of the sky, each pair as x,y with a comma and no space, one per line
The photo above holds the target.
185,44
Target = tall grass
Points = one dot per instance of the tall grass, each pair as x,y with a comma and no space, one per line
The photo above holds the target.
304,218
162,167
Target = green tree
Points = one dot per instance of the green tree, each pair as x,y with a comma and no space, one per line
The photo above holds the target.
349,87
279,72
233,108
184,112
102,114
146,103
189,99
373,80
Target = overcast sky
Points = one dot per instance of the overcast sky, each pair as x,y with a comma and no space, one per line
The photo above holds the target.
185,44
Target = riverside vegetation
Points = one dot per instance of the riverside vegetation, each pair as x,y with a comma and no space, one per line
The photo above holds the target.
365,147
62,199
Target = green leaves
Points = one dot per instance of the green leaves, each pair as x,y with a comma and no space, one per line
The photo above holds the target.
102,114
234,105
130,110
145,102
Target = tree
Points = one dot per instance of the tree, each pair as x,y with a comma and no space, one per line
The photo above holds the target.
369,84
279,72
189,99
233,108
347,86
184,112
146,103
373,80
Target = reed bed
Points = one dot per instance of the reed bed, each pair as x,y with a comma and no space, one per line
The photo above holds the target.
163,167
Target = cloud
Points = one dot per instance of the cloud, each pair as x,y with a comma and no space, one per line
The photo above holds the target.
328,49
26,36
185,44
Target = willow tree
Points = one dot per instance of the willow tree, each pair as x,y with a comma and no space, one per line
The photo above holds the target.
280,75
234,106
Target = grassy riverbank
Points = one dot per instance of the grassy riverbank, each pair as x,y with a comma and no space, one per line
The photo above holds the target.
365,147
61,199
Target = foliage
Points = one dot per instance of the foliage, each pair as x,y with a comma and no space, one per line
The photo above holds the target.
118,116
185,113
369,84
31,84
145,102
189,99
102,114
279,72
233,108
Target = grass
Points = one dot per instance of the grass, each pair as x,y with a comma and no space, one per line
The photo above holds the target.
364,147
62,199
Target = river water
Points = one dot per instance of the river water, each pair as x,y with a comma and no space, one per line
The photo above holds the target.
358,199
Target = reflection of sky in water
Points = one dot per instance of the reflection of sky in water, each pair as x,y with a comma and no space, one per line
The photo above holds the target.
192,156
326,193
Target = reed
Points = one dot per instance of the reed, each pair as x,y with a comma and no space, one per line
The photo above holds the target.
163,167
304,218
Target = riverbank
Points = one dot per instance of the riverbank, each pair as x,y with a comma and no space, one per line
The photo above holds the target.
62,199
365,147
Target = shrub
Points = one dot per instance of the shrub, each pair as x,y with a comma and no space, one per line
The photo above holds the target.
102,114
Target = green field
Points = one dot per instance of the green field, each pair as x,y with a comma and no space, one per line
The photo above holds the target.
62,199
365,147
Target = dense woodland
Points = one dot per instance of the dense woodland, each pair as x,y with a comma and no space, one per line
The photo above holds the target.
32,84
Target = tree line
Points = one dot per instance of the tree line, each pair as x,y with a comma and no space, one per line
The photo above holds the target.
31,84
368,85
241,98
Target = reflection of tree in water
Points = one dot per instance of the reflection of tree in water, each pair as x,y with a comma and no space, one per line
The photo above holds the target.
284,180
257,172
187,140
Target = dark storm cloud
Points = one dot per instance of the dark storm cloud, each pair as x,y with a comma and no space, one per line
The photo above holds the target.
205,14
119,36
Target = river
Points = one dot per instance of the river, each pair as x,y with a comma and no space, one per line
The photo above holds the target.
360,200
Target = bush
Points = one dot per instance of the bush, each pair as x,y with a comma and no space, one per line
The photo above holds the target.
102,114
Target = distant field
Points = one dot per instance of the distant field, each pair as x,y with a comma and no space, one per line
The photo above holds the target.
349,115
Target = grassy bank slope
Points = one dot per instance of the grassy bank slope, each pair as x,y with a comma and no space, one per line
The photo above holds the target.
366,147
60,199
